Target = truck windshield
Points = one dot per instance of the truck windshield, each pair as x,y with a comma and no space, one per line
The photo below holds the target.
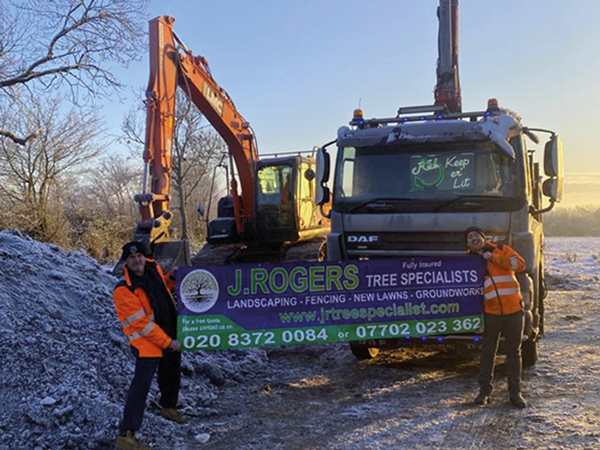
432,174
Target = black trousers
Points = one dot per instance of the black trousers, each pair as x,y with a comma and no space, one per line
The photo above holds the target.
511,326
169,380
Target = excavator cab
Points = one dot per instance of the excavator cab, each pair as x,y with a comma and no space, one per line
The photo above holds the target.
276,215
284,205
285,209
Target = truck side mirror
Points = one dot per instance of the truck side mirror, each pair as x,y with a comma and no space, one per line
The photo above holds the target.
554,168
553,157
201,209
553,188
323,166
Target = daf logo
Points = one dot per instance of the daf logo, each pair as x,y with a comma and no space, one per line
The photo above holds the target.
365,239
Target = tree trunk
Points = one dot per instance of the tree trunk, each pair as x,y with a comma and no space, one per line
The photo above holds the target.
182,212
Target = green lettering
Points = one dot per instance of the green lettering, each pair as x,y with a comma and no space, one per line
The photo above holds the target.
259,278
284,277
334,273
316,275
351,274
235,290
298,284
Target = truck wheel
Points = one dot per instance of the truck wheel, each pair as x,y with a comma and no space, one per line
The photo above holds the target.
362,351
529,353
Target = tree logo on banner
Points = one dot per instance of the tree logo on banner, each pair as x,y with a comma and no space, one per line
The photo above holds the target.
199,290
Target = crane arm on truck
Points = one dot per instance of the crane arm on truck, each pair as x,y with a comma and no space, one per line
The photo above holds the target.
173,65
447,89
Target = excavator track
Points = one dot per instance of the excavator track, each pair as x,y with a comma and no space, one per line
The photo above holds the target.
306,251
237,253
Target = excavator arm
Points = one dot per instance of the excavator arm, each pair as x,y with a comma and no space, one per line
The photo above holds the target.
172,65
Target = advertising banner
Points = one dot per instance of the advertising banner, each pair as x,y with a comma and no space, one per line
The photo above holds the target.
240,306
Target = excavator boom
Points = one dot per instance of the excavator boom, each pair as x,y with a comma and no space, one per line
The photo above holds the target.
274,208
172,65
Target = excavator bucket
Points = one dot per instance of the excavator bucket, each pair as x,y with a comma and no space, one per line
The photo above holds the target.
171,254
168,254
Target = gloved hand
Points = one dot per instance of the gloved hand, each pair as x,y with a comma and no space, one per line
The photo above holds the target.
174,346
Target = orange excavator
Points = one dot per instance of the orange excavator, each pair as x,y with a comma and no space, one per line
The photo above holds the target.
273,217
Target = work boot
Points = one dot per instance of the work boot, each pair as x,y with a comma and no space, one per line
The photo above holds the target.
518,401
128,441
482,399
172,414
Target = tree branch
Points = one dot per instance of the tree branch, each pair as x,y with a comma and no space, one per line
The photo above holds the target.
25,77
18,140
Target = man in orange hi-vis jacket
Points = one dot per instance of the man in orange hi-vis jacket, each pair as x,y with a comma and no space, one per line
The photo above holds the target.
503,313
148,315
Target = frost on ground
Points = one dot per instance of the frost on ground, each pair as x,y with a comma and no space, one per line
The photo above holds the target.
66,365
66,368
573,263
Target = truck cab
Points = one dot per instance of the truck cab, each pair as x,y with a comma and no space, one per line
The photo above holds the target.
411,185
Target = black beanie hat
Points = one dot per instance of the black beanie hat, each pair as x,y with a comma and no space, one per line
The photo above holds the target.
133,247
477,230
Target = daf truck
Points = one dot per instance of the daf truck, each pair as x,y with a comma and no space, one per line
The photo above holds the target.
411,184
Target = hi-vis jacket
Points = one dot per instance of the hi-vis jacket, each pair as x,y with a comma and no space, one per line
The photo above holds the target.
501,292
136,315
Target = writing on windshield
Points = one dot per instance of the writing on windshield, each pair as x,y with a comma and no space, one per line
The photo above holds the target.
447,172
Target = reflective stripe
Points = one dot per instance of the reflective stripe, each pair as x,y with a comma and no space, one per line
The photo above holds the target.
145,332
501,292
132,318
147,329
514,262
499,279
133,336
151,317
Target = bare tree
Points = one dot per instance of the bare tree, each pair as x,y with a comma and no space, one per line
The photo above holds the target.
196,151
114,182
75,45
101,213
35,176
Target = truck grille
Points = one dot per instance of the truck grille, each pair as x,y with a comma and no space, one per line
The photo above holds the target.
411,242
424,241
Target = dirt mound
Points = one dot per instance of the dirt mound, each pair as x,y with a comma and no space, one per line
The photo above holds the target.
66,365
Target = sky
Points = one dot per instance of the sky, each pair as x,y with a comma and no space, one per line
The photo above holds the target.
296,70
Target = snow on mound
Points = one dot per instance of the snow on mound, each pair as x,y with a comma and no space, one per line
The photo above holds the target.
572,263
66,365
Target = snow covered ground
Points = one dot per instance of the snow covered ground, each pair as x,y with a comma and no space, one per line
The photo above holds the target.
573,262
66,367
